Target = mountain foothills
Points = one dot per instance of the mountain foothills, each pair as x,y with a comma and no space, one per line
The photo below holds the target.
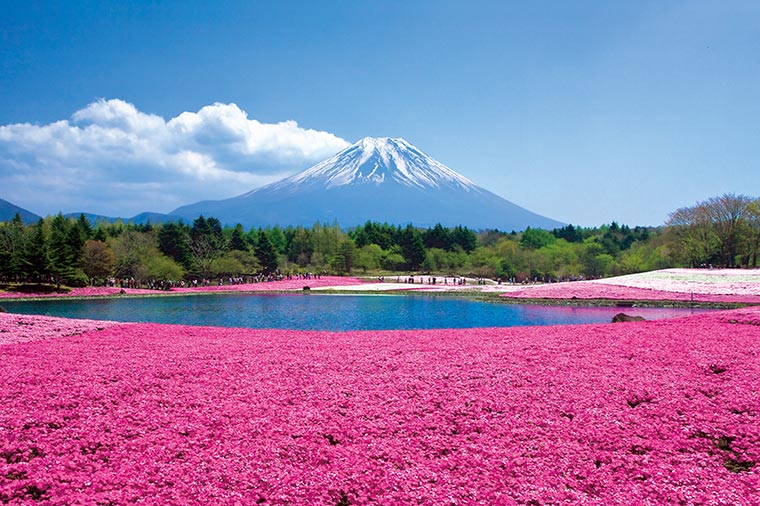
8,211
376,179
75,252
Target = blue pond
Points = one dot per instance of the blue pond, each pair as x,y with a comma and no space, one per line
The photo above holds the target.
328,312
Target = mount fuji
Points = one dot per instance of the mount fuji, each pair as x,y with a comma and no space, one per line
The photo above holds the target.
378,179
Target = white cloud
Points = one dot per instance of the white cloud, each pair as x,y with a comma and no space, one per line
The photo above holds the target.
110,158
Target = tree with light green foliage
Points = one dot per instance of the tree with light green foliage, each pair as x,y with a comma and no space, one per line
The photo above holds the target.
369,257
236,263
162,268
535,238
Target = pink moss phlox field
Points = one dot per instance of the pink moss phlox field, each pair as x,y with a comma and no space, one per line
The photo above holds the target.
595,290
698,285
662,412
285,284
17,328
702,281
88,291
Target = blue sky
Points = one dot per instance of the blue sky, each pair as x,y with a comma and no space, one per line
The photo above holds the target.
586,112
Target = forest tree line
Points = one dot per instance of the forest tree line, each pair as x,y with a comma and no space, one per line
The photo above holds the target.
723,231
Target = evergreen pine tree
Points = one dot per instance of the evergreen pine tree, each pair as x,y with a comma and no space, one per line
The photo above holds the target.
266,253
84,225
174,242
36,257
237,239
412,247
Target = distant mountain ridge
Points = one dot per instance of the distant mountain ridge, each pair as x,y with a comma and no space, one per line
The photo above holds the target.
138,219
377,179
8,212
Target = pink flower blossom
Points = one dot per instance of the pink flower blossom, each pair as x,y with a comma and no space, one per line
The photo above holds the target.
660,412
592,290
17,328
285,285
685,285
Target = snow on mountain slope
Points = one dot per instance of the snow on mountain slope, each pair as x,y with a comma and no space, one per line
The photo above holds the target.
376,160
376,179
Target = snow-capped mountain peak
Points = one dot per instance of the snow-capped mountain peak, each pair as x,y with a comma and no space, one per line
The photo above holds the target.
381,179
377,161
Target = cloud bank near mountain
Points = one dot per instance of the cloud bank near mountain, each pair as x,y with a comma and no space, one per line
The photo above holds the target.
112,158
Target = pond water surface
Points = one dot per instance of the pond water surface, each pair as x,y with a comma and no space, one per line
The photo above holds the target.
328,312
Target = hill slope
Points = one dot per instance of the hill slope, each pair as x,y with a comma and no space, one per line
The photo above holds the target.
8,211
378,179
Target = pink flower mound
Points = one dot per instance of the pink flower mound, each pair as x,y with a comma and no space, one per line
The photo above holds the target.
705,281
643,413
595,290
88,291
285,284
16,328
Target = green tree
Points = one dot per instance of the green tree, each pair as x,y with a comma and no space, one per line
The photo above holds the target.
237,239
66,241
345,256
12,246
596,263
720,218
464,238
206,244
277,238
84,226
569,233
160,267
752,234
535,238
369,257
266,253
174,242
412,247
301,247
727,212
374,233
694,241
133,252
236,263
438,237
393,259
76,235
36,255
97,259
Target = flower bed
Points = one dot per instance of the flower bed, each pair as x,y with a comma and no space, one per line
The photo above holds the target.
633,413
18,328
88,291
594,290
285,284
745,282
684,285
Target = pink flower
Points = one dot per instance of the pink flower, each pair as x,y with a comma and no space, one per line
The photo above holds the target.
642,413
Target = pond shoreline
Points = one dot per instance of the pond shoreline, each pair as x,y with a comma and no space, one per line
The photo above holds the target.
495,297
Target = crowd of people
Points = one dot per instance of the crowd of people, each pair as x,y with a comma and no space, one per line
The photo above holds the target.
164,284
